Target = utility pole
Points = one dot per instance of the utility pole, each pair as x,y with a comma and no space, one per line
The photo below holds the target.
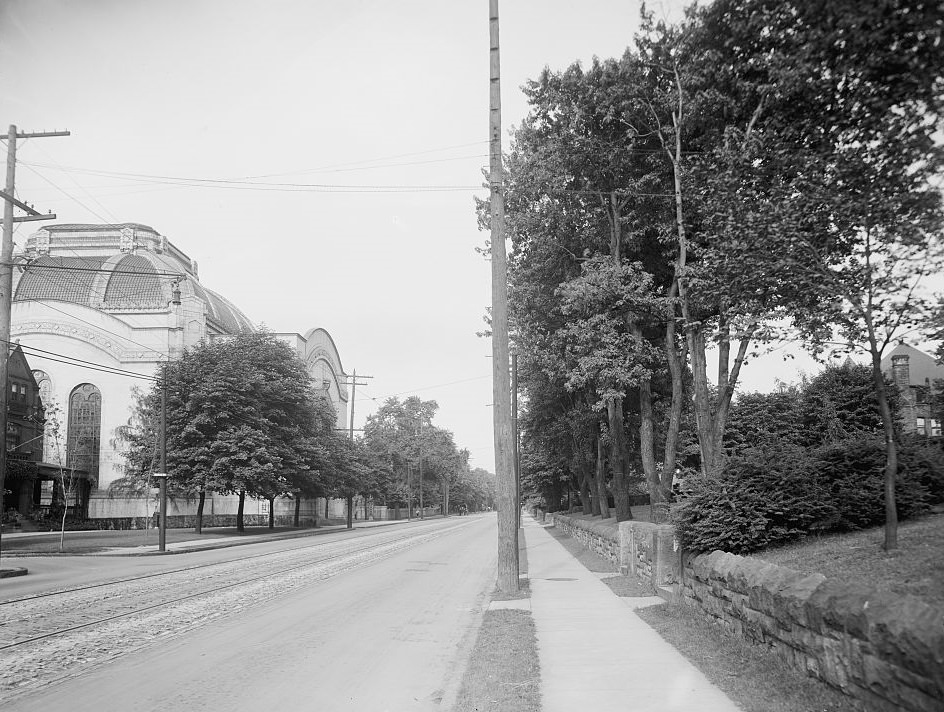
422,511
514,428
504,455
6,276
162,532
350,500
354,384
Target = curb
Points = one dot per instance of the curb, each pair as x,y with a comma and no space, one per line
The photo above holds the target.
11,573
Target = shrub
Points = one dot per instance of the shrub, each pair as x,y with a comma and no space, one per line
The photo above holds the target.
853,471
777,492
767,495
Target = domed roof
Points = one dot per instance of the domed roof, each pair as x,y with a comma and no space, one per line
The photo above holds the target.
141,278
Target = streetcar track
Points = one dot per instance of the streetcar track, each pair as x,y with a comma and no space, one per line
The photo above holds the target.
216,589
168,572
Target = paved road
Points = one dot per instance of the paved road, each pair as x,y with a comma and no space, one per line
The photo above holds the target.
385,630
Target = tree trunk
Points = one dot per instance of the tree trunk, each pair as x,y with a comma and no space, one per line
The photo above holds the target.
647,447
298,510
65,512
239,511
675,363
891,451
602,495
271,512
326,507
200,504
618,459
350,512
585,494
594,491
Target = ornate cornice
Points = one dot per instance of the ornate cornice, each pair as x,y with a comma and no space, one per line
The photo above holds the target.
96,337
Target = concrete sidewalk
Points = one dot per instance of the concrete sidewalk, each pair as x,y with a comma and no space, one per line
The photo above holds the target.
595,652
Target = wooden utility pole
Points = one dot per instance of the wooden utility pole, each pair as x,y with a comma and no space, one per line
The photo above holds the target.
514,431
6,277
353,383
501,388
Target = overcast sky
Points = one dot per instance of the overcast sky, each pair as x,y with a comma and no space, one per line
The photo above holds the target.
382,104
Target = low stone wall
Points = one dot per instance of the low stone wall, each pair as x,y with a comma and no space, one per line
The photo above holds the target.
601,536
884,649
650,551
182,522
643,549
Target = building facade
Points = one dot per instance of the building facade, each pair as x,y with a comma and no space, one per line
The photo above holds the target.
97,308
918,377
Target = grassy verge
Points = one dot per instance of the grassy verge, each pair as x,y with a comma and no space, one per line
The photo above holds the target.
752,676
915,568
503,674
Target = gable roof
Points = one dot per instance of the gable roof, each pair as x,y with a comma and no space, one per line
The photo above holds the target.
921,366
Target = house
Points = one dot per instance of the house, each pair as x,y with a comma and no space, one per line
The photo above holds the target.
920,379
24,439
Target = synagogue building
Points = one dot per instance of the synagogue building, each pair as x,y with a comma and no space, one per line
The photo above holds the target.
96,308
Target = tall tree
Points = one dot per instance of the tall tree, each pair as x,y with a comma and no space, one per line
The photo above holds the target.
242,418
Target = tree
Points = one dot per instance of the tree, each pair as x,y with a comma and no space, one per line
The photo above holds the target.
401,440
242,418
66,469
858,98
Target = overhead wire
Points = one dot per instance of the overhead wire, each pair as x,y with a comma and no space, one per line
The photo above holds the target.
424,388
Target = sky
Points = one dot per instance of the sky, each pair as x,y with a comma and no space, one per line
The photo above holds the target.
363,126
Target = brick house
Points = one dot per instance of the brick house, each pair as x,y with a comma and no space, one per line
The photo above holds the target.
920,379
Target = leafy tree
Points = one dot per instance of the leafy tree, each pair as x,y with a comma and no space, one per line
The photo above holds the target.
858,96
242,418
408,454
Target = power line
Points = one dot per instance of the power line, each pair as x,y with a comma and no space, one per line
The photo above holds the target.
33,265
40,351
46,304
104,368
241,184
426,388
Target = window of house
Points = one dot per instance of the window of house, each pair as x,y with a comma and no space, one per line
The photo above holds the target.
920,426
935,428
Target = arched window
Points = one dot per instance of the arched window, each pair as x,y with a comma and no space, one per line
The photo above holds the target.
85,429
44,382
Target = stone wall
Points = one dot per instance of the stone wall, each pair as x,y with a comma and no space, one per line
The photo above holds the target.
599,536
882,648
650,552
186,521
643,549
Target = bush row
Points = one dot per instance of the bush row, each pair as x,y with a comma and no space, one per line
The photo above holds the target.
777,492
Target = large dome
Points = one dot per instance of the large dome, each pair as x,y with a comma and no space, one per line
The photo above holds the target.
115,268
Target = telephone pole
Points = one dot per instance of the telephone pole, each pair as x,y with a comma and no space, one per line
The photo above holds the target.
6,275
501,388
353,383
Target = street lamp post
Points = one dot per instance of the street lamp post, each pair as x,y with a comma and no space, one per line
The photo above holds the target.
162,523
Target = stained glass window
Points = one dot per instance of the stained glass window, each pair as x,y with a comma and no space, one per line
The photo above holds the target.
85,429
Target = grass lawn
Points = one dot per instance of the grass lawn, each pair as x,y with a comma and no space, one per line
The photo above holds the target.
916,567
503,673
751,675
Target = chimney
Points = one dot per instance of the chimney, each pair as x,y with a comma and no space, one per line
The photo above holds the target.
901,371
